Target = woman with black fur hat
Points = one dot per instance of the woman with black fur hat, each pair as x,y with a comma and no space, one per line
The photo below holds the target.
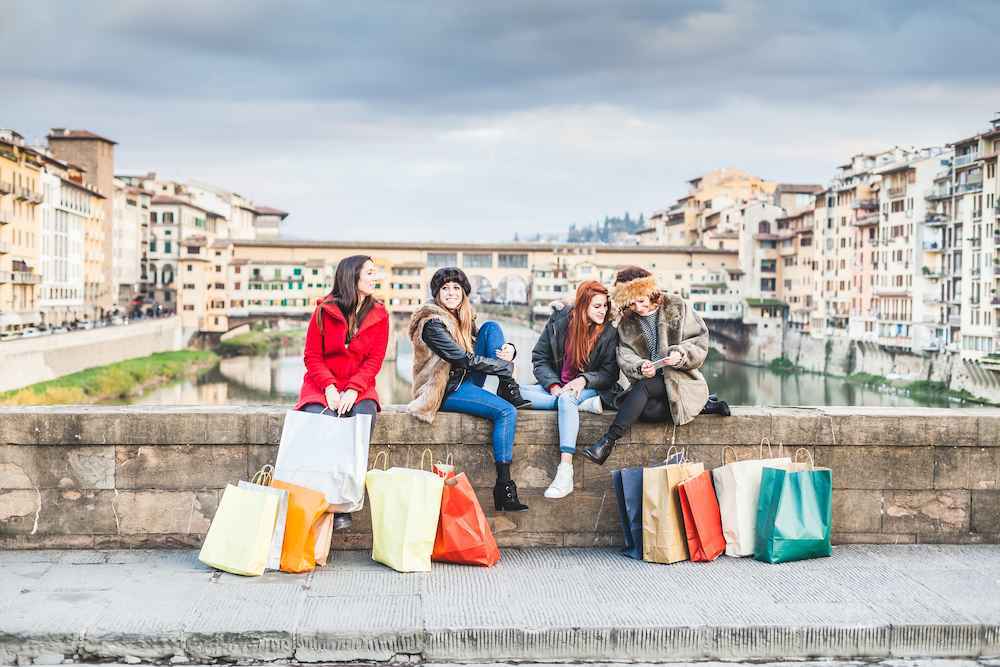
451,359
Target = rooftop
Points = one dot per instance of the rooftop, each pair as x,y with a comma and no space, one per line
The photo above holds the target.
60,133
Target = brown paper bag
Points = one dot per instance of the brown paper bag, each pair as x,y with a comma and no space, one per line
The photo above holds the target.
323,529
663,537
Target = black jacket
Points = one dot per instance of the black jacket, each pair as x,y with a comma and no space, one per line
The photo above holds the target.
436,336
601,371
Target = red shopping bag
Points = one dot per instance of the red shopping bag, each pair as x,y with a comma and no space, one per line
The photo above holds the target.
463,534
702,520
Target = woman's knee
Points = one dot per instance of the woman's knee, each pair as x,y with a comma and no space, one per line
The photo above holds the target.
566,401
489,327
506,414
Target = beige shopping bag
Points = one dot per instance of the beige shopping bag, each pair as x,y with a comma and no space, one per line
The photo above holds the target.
663,537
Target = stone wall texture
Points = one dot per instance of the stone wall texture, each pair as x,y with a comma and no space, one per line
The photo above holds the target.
94,477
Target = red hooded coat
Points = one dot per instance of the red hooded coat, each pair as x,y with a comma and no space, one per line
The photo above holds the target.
329,361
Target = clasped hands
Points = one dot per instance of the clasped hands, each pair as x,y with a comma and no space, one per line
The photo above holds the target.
340,401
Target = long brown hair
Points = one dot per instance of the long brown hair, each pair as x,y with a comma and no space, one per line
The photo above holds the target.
464,316
345,294
584,332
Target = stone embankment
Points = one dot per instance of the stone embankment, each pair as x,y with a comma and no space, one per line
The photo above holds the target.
102,477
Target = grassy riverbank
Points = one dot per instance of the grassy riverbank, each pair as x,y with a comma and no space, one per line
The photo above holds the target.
260,343
114,381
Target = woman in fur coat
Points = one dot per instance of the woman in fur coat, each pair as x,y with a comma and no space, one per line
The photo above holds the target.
451,359
656,326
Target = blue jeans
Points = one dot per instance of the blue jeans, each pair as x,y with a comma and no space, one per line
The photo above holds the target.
569,413
470,398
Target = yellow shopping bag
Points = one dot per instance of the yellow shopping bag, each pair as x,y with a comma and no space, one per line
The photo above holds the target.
241,533
405,506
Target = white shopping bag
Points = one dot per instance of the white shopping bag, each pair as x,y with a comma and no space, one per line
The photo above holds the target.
737,485
327,454
262,484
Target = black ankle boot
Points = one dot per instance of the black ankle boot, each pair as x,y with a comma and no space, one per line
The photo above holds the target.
600,450
716,407
505,492
508,390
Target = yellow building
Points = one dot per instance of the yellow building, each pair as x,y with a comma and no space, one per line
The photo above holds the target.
20,232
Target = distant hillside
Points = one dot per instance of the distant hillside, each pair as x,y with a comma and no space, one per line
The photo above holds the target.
612,229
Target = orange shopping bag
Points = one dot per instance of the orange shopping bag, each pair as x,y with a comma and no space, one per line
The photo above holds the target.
463,534
702,520
305,510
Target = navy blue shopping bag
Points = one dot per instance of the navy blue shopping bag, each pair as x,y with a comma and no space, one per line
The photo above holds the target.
628,491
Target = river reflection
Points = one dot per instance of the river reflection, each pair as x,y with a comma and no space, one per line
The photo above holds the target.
264,380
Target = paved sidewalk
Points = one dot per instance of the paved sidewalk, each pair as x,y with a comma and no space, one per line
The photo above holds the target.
535,605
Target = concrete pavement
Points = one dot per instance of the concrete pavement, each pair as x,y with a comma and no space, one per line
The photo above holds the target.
536,605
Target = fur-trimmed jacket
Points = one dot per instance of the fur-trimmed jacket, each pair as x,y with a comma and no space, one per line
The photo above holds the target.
680,330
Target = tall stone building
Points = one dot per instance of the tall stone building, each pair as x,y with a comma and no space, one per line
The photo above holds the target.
96,154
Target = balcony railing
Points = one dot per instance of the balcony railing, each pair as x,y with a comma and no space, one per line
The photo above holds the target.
36,198
6,217
974,186
932,246
955,321
866,204
5,277
25,278
936,219
6,187
896,193
22,194
4,247
938,193
968,158
865,220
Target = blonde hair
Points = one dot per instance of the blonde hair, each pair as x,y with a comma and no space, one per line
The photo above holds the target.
464,315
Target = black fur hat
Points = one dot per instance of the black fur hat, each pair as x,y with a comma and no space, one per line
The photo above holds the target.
450,274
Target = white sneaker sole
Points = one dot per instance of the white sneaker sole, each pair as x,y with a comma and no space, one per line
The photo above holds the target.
555,495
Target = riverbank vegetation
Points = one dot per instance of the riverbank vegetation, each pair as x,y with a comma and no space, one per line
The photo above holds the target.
920,389
261,342
114,381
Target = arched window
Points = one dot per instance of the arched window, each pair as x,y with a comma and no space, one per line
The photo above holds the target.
168,275
764,227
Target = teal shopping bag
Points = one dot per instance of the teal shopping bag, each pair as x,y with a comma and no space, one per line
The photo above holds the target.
794,513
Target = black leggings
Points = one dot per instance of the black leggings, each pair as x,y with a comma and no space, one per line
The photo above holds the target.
645,400
365,407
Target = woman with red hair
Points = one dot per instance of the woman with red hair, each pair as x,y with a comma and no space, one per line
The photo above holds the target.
576,370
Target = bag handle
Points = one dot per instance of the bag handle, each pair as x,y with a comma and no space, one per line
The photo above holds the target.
760,450
448,460
264,476
728,448
381,455
430,457
679,450
812,462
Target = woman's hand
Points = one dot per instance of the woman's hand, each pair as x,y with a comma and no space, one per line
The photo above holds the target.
556,389
332,397
673,359
647,369
576,386
506,352
347,400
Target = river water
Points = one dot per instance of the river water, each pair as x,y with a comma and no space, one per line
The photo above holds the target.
265,380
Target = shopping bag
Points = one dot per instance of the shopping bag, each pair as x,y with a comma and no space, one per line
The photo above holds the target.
737,487
663,539
702,523
323,534
794,512
305,509
326,454
463,533
628,491
405,506
261,483
239,539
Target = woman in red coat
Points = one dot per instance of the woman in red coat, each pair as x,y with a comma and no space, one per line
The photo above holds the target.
345,346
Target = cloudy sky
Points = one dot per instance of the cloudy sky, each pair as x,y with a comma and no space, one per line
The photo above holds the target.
475,120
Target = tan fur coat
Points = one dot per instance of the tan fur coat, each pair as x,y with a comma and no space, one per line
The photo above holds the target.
680,330
430,372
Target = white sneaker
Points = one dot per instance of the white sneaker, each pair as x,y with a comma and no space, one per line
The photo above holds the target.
562,485
592,404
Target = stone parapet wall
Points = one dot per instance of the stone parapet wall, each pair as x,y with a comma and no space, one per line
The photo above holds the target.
151,477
